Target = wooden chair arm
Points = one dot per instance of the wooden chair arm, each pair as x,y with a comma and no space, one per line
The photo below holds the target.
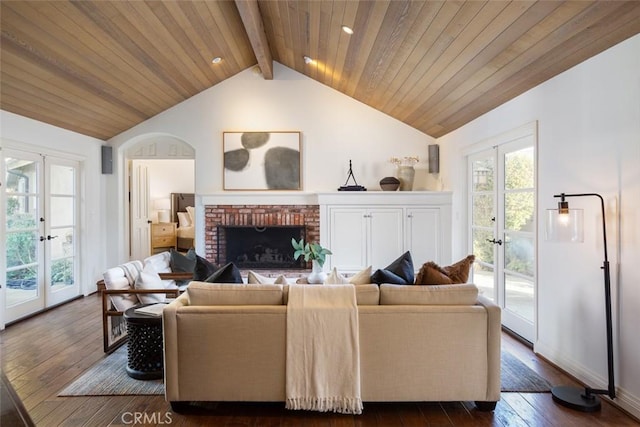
164,276
175,292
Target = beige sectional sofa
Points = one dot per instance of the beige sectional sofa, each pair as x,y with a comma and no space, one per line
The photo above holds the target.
417,343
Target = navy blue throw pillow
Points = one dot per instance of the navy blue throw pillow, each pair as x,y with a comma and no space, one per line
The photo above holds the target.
203,269
228,273
399,272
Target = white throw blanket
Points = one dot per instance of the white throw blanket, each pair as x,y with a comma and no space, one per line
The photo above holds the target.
323,350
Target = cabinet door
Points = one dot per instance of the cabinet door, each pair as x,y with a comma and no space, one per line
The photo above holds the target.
386,236
424,235
348,239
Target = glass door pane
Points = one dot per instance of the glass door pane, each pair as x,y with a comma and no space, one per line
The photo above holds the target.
24,293
61,245
519,228
482,172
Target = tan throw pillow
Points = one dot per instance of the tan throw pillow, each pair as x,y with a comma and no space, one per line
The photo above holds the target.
254,278
362,277
432,274
335,278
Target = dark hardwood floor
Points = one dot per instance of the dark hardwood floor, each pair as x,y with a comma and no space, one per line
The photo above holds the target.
43,354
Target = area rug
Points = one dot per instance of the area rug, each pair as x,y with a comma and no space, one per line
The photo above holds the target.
515,376
108,377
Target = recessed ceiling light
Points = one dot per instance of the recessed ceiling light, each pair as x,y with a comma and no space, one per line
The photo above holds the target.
216,60
307,60
347,30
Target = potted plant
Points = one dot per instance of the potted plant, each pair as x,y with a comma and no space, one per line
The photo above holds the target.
314,252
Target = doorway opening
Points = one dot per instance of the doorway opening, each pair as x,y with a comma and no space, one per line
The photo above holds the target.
41,230
156,168
502,226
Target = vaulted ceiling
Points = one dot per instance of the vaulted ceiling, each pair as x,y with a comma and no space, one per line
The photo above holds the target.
101,67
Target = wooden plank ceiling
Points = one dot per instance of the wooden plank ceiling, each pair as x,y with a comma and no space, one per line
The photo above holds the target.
101,67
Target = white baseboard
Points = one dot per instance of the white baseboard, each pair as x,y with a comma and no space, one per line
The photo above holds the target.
623,400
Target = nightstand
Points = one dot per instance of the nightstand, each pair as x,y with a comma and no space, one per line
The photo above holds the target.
163,236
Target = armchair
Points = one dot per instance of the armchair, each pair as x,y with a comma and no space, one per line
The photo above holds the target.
113,326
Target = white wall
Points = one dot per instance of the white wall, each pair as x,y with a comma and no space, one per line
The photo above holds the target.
18,132
334,128
169,176
589,141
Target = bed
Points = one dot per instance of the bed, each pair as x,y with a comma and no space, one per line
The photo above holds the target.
182,213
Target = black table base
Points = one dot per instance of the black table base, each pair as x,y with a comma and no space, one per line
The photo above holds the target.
145,357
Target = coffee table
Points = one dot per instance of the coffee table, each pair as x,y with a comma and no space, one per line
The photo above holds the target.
144,353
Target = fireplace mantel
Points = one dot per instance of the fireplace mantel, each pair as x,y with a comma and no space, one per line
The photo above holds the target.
260,198
320,198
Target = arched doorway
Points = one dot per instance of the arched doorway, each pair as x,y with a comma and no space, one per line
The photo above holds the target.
155,166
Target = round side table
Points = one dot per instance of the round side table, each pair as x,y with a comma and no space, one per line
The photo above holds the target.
144,353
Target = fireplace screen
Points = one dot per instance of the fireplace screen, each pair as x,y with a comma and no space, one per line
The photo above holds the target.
259,247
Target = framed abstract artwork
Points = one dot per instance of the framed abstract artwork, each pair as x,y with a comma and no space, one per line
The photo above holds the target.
261,161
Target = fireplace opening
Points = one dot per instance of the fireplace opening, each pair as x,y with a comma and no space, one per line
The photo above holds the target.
257,248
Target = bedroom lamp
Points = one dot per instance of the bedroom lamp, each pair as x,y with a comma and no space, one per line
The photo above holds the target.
162,206
564,224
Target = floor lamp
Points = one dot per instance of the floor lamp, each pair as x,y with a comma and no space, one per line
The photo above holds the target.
564,224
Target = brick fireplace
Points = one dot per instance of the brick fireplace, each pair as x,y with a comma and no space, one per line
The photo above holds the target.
307,216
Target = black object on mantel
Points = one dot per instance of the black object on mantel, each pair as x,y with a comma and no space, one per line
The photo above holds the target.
354,187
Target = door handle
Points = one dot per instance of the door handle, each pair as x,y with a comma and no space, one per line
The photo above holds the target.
149,221
51,237
494,241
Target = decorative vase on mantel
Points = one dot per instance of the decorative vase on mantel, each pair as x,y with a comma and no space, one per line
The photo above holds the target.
406,174
317,275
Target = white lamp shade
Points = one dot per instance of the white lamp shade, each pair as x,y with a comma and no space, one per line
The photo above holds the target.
163,216
566,227
162,206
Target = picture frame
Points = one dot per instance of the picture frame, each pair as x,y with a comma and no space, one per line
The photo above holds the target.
262,160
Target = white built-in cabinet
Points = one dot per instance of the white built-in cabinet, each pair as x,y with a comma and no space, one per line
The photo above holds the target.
376,228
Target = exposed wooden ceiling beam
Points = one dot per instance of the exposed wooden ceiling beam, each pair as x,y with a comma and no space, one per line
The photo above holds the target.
252,20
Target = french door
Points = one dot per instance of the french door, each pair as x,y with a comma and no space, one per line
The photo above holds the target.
502,229
41,232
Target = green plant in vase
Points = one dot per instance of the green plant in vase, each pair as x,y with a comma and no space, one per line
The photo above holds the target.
315,253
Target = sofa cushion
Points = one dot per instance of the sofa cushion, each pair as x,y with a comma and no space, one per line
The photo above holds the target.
258,279
123,277
161,263
228,273
204,293
149,279
368,294
399,272
361,278
183,263
432,274
203,269
463,294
